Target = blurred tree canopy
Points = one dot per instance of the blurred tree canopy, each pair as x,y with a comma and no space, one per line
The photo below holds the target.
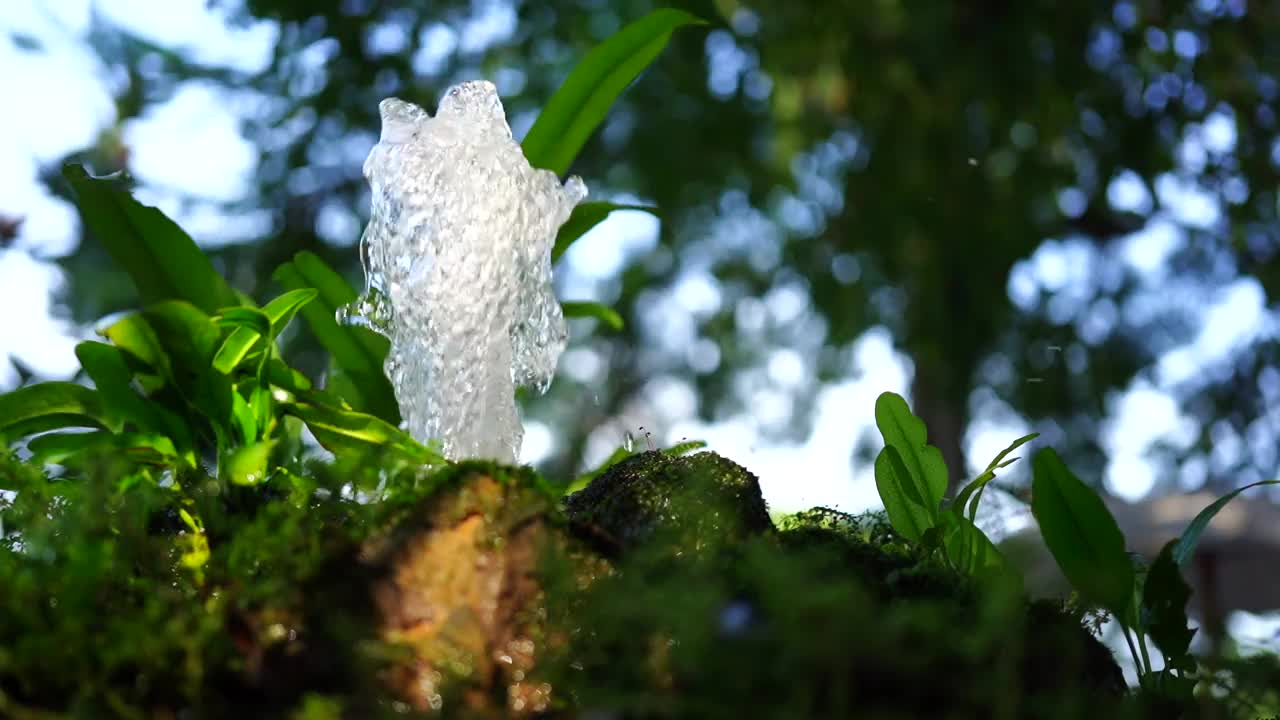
823,167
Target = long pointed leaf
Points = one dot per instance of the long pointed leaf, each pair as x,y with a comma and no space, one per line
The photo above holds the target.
355,350
162,260
585,216
579,106
78,405
1186,546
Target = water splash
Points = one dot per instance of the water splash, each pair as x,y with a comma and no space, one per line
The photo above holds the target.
457,259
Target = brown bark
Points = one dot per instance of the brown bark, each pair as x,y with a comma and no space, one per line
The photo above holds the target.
944,417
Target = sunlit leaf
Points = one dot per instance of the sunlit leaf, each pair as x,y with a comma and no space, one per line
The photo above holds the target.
248,465
901,496
339,431
603,313
580,105
906,433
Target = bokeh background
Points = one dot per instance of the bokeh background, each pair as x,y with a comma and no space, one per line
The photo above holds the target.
1023,215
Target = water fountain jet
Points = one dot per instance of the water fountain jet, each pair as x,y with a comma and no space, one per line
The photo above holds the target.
457,259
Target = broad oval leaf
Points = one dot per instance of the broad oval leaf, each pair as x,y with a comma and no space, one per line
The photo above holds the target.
1186,546
586,216
579,106
1081,534
603,313
72,404
900,495
906,433
163,261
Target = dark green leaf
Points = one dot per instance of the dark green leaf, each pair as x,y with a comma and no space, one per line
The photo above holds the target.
906,433
61,448
1164,609
357,351
603,313
1186,546
586,216
579,106
1081,534
107,367
162,260
75,404
900,495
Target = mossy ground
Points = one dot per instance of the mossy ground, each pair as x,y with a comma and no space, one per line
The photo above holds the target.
347,591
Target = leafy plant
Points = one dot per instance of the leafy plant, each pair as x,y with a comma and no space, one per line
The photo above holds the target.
911,477
1089,548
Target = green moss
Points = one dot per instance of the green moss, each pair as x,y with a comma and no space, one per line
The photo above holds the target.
693,502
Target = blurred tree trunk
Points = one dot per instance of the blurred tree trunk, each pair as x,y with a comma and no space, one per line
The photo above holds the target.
944,417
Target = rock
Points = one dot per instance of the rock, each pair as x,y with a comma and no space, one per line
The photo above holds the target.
693,503
460,588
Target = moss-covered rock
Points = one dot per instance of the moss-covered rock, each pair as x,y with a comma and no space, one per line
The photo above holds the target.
694,503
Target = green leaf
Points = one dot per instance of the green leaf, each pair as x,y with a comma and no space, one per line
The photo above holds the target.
1186,546
900,495
248,465
162,260
579,106
1164,609
603,313
906,433
247,318
107,367
67,403
1081,534
583,480
684,448
245,420
342,431
586,216
357,351
286,378
62,448
968,547
980,482
282,308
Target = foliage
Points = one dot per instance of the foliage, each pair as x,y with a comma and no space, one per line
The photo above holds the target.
169,547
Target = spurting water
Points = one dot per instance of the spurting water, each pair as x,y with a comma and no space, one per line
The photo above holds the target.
457,259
